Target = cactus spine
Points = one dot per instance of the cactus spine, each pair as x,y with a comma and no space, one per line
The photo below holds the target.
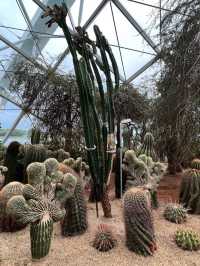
104,239
139,229
40,212
187,240
175,213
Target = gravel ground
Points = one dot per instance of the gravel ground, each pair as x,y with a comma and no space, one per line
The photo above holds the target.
77,251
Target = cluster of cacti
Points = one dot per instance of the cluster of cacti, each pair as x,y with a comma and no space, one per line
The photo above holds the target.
148,146
35,136
40,213
98,126
175,213
187,240
104,239
8,223
137,171
195,164
75,220
60,155
189,195
138,220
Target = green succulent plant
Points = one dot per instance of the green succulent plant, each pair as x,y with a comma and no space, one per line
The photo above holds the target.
40,212
195,164
189,195
187,240
148,146
104,239
175,213
139,229
69,162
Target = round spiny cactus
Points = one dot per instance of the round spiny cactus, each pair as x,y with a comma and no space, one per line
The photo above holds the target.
104,239
139,228
9,223
77,165
69,162
61,155
51,165
195,164
187,240
36,173
175,213
11,189
189,195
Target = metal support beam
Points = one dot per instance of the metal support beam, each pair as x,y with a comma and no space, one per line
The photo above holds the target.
142,69
80,15
135,25
22,53
18,119
5,97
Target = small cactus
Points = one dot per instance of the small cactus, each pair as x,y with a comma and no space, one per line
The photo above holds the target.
51,165
69,162
104,239
139,228
9,223
175,213
36,173
40,213
187,240
195,164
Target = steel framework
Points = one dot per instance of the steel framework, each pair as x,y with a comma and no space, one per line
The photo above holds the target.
31,44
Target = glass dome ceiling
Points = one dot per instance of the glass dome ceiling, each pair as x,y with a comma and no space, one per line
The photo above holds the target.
128,25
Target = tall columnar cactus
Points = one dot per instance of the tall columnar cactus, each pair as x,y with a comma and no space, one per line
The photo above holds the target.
138,220
98,126
71,193
187,240
35,136
148,146
195,164
190,191
175,213
40,213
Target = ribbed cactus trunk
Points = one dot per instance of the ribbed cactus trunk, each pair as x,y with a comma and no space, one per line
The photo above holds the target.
97,125
41,235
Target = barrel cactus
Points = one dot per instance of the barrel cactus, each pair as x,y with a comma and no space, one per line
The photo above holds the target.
104,239
40,213
35,136
195,164
139,228
75,220
187,240
189,195
175,213
8,223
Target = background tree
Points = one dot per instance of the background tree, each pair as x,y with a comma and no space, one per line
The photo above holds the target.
176,111
54,99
